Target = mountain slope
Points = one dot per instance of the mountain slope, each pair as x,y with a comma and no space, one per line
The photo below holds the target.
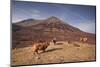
28,22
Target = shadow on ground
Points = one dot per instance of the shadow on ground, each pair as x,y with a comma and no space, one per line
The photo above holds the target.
53,49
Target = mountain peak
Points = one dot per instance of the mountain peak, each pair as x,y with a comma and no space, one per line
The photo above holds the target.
53,18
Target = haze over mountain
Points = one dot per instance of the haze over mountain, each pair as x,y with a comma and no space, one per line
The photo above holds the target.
31,30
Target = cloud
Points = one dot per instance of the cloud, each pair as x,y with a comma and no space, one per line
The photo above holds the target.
88,26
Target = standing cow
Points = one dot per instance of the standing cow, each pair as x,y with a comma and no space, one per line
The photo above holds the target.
54,41
40,47
83,39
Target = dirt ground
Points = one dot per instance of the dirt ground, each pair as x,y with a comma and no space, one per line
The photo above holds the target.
60,53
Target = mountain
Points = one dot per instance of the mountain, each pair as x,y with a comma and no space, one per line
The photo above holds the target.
47,29
57,24
28,22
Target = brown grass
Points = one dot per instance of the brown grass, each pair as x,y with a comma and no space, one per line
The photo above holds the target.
73,52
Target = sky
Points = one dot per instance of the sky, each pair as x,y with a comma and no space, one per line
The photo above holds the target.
82,17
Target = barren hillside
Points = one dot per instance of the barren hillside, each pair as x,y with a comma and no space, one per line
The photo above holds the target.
27,31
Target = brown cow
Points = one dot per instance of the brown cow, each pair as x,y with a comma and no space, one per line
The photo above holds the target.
83,39
40,46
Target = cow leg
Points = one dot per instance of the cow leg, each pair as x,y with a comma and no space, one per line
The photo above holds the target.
43,50
37,55
35,52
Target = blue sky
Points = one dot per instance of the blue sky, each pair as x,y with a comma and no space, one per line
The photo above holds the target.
82,17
